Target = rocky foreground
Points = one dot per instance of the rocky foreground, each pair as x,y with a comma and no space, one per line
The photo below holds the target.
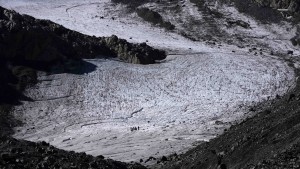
24,154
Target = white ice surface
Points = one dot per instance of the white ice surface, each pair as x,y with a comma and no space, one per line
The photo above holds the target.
180,100
191,96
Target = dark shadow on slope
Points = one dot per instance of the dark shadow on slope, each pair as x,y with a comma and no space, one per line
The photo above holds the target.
133,4
263,14
210,18
78,67
154,18
7,120
13,80
16,77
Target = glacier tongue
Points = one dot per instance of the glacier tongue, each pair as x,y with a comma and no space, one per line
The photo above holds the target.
186,99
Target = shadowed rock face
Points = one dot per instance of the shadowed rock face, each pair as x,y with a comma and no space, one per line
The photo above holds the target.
133,53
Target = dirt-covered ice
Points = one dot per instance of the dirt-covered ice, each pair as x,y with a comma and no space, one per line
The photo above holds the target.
193,95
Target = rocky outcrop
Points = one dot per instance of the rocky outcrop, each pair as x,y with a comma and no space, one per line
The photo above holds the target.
133,53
